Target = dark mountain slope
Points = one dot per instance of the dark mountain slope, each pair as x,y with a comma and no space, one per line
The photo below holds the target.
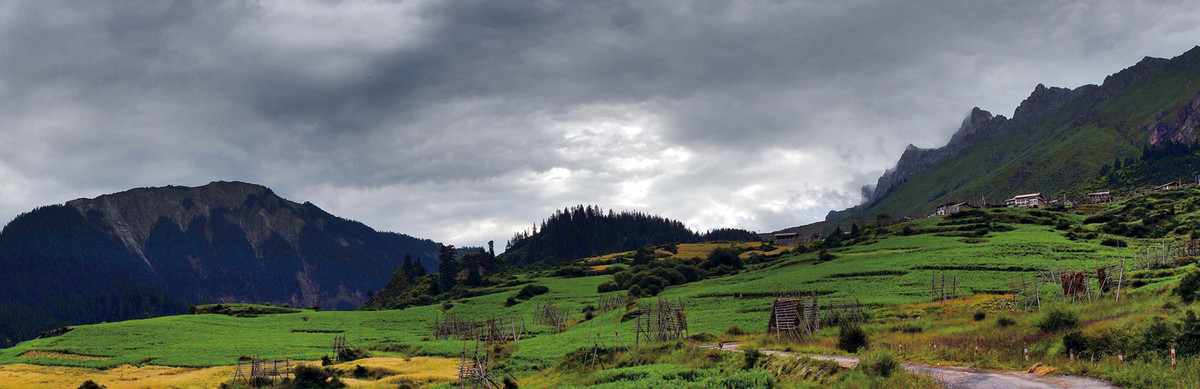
1057,140
153,251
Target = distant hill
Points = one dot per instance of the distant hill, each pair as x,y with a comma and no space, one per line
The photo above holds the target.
585,231
1057,140
154,251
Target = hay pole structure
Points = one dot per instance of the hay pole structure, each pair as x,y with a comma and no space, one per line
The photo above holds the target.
939,290
255,371
613,302
491,330
552,315
791,313
340,347
666,322
475,369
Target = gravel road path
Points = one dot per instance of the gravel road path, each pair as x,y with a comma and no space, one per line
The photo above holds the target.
963,377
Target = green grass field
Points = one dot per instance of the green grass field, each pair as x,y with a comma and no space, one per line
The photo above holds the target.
888,273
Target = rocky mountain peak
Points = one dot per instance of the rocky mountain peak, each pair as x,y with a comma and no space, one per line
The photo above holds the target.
133,214
1041,101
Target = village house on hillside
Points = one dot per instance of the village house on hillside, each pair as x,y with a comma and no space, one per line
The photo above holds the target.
951,208
787,239
1026,200
1168,186
794,239
1099,197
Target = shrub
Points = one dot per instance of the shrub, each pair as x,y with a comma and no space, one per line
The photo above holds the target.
360,372
1188,286
89,384
979,316
880,364
1005,322
511,300
724,256
532,290
607,286
1113,242
735,331
315,377
851,337
751,359
510,383
1057,319
316,308
825,256
326,361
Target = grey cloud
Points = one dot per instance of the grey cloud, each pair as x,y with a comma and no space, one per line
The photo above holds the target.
462,119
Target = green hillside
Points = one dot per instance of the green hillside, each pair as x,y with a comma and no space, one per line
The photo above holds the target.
1053,153
888,269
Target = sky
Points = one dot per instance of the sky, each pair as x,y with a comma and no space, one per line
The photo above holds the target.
467,121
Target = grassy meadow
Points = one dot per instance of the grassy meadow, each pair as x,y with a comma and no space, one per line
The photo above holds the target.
888,270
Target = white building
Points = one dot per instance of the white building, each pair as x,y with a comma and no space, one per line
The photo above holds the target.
1026,200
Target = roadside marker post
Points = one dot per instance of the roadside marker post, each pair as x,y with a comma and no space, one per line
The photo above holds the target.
1025,350
977,349
1072,354
1172,357
1120,356
901,351
935,344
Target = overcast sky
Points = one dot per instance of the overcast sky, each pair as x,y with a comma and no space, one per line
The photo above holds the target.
466,121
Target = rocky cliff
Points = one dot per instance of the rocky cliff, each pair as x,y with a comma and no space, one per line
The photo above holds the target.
153,251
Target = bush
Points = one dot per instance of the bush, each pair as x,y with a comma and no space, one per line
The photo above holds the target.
315,377
1188,286
1113,242
1005,322
326,361
89,384
880,364
724,256
735,331
360,372
979,316
825,256
511,300
851,337
532,290
510,383
1057,319
316,308
751,359
607,286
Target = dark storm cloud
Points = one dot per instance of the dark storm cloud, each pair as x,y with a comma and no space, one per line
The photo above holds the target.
467,120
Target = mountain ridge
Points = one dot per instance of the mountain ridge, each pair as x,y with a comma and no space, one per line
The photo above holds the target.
174,246
1058,136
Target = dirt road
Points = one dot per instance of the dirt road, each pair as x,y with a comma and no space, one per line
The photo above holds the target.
963,377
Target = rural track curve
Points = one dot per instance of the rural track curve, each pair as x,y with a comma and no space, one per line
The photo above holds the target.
960,377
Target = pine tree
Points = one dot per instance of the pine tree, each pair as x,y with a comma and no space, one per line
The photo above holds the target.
447,267
854,231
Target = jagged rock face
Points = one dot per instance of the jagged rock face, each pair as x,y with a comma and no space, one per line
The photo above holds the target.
1179,128
154,250
1118,81
979,126
1041,101
132,215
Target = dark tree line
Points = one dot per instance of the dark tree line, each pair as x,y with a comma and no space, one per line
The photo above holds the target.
584,231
